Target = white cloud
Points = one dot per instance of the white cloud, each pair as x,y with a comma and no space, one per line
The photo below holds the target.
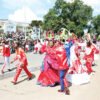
24,14
92,2
88,2
95,4
38,7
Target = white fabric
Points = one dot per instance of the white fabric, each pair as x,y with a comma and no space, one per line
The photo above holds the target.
78,79
27,46
72,55
7,62
88,51
6,46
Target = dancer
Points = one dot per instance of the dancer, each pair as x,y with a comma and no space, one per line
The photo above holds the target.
6,55
48,75
90,50
89,56
63,67
20,55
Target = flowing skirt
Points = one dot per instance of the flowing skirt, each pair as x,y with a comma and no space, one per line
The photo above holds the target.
48,78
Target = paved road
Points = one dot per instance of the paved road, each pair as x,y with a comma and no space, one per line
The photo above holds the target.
34,63
29,90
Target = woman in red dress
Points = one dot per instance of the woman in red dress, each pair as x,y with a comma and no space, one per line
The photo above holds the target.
6,54
89,56
48,76
55,67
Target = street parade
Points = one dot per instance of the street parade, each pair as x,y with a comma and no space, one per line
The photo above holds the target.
54,56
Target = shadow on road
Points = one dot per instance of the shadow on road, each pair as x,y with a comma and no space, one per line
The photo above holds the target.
25,79
8,74
1,63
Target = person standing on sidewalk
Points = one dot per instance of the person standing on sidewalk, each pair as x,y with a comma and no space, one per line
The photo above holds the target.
20,55
6,55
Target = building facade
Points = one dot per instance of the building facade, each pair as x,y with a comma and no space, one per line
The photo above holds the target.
7,26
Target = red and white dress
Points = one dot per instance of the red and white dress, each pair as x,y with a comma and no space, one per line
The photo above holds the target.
77,73
75,63
6,55
37,47
26,47
89,57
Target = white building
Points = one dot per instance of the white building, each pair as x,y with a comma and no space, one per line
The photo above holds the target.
10,26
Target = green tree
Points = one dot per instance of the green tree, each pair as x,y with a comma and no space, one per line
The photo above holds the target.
73,15
96,23
36,23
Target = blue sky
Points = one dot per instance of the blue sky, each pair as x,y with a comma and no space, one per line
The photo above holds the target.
34,9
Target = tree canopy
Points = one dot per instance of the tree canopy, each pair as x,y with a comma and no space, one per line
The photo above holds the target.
73,16
96,23
36,23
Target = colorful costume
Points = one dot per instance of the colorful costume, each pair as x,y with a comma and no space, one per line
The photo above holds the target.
55,68
6,54
63,67
77,72
20,55
89,57
48,76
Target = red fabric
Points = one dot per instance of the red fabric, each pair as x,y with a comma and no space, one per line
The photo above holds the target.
89,60
77,51
89,67
43,48
76,63
96,51
48,78
61,58
36,49
89,57
6,51
49,50
54,61
50,62
21,56
18,71
26,49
